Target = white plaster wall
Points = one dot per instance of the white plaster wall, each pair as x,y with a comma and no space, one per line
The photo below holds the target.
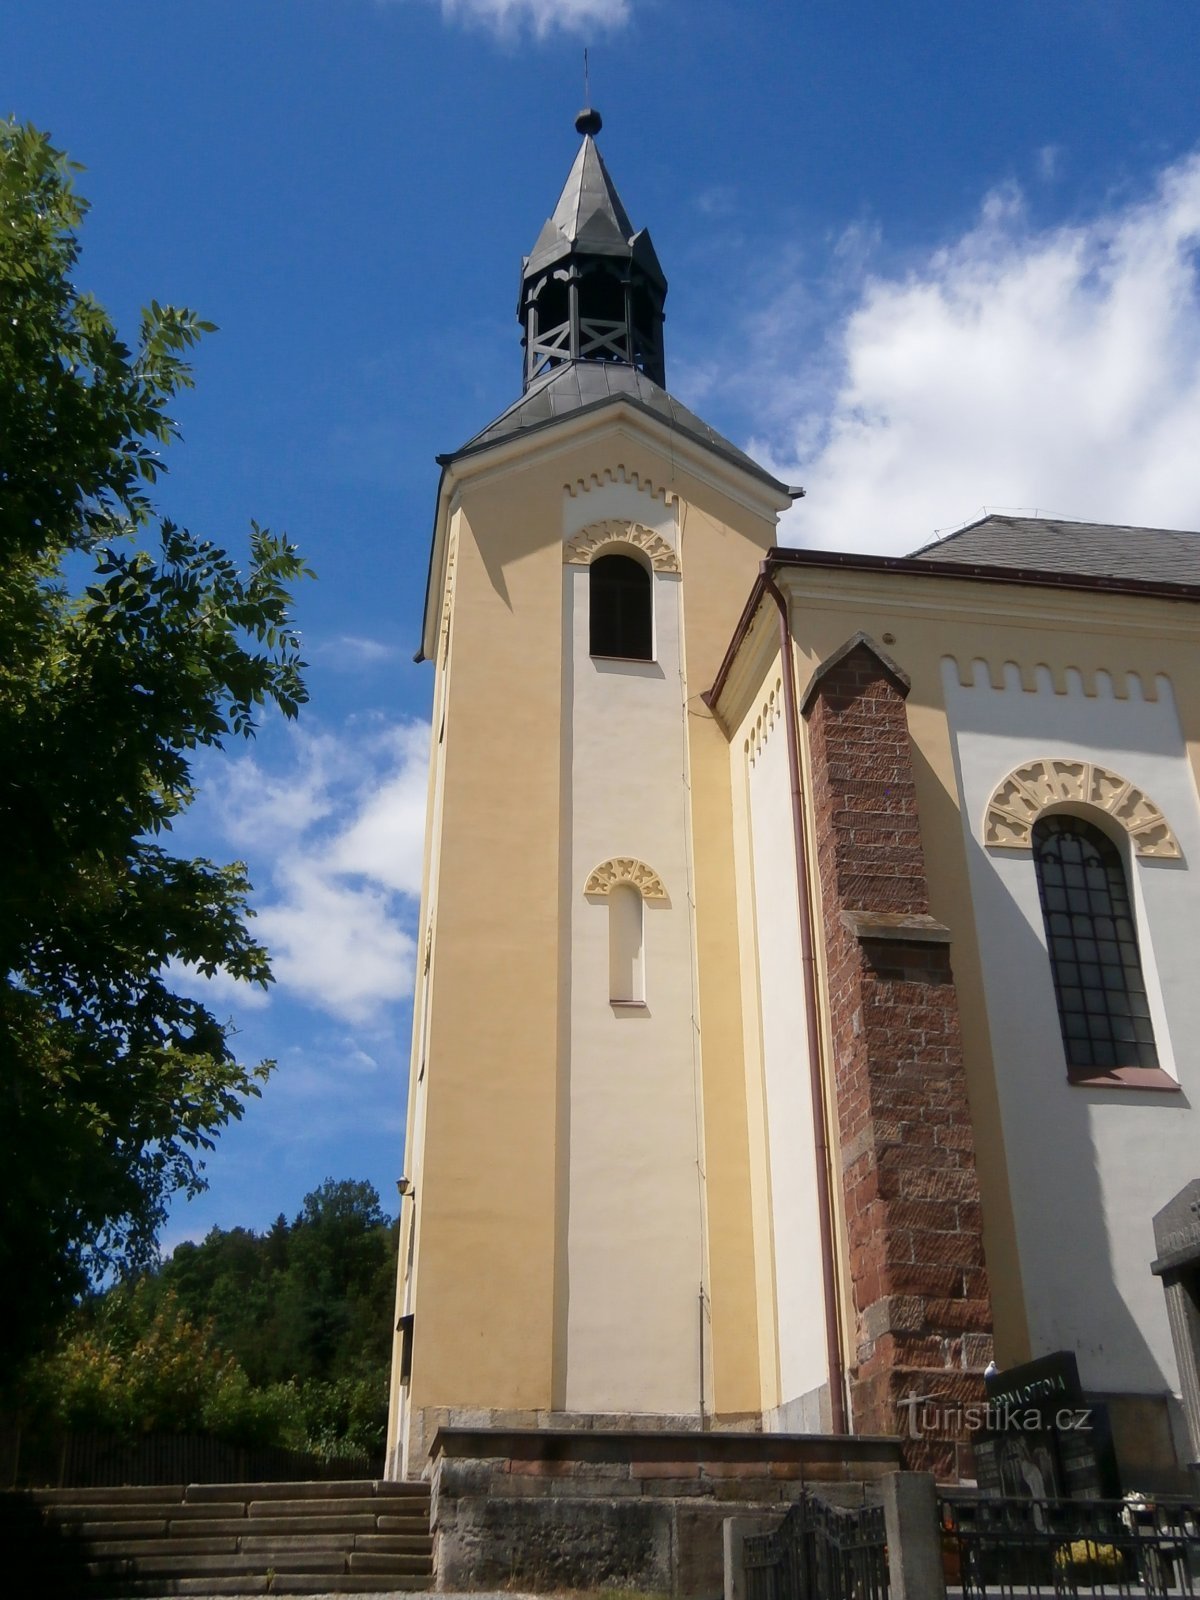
1088,1167
795,1228
634,1257
618,501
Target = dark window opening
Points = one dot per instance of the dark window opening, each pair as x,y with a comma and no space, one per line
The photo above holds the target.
405,1329
602,295
621,611
552,303
1103,1008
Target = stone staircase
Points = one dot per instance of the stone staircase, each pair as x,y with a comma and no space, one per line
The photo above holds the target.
221,1539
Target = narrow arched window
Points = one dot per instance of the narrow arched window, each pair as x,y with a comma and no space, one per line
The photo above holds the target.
626,954
621,608
1103,1009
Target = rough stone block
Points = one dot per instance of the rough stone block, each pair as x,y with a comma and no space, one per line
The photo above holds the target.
664,1469
559,1543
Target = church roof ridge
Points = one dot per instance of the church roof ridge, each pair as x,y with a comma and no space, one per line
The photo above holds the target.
1067,545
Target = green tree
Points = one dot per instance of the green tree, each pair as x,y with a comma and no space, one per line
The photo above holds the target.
127,645
309,1301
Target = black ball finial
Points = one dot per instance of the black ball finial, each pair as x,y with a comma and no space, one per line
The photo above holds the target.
589,122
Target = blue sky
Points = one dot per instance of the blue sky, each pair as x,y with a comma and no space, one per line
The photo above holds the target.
924,258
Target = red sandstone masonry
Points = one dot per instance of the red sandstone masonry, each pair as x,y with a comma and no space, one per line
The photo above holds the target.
922,1306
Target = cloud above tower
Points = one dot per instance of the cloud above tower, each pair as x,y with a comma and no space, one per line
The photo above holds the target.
541,17
1018,368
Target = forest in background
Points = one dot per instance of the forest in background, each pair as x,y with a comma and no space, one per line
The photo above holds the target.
276,1338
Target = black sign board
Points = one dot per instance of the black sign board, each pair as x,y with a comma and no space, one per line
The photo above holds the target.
1042,1439
1051,1380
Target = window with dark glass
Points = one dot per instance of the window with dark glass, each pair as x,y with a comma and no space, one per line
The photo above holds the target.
621,610
1090,934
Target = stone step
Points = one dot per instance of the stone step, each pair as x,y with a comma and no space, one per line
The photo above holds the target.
356,1583
369,1561
271,1527
245,1539
415,1544
380,1543
134,1511
266,1550
351,1489
297,1583
409,1524
105,1549
140,1495
121,1530
365,1505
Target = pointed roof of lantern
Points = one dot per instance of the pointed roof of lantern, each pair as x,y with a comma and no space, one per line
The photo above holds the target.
589,218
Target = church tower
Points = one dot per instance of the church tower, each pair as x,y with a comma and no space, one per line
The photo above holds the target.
577,1238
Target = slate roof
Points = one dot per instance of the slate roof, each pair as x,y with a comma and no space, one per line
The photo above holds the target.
1088,549
589,219
588,385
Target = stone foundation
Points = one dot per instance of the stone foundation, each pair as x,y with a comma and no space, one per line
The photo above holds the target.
548,1509
426,1422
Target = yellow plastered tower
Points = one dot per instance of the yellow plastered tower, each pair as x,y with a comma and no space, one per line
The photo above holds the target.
576,1227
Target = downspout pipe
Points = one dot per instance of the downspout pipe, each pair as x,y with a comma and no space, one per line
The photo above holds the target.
816,1082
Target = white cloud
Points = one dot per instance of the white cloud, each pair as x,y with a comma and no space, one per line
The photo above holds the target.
542,16
334,836
1055,369
335,944
1049,162
351,653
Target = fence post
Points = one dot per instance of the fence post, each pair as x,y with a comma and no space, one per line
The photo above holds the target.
734,1532
914,1536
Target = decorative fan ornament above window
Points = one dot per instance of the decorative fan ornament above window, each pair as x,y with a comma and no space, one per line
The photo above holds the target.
595,540
1019,800
625,869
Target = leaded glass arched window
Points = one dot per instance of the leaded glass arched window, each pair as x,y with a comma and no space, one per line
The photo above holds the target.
1092,941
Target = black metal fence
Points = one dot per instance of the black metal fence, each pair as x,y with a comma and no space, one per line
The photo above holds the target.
1016,1548
105,1461
819,1552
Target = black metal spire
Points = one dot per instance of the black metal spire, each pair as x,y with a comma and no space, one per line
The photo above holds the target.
592,288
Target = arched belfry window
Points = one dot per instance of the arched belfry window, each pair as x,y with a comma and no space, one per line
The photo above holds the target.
621,608
1103,1009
